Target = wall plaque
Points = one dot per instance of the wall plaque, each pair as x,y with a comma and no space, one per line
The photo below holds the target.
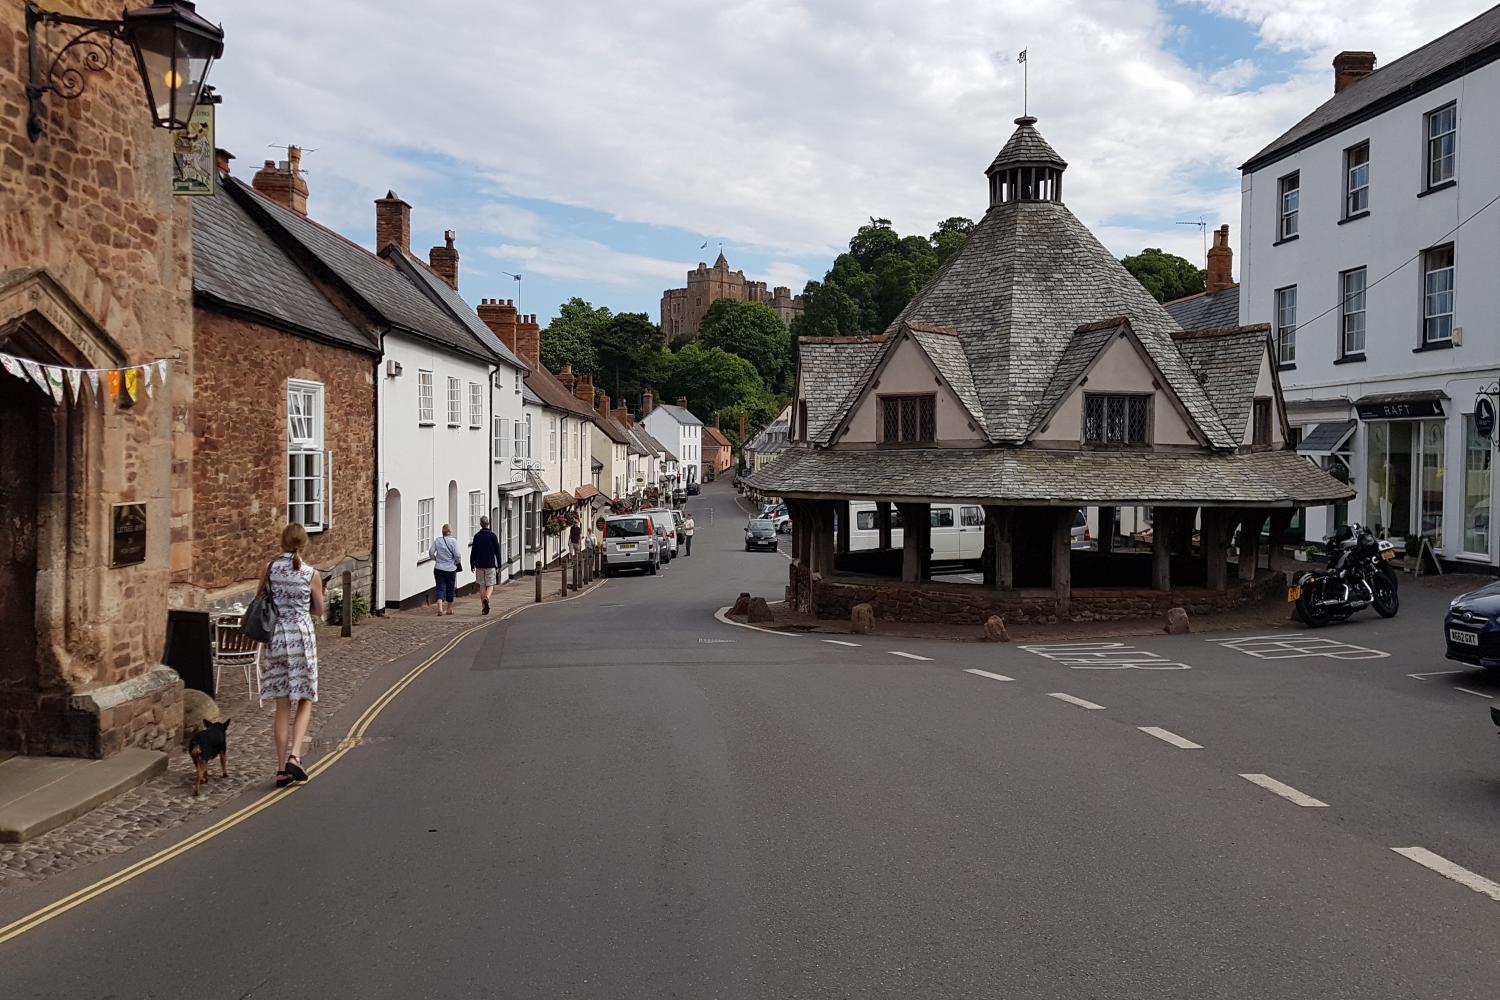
128,534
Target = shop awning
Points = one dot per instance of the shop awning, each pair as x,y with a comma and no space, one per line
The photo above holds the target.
558,501
587,492
1325,439
522,487
1401,405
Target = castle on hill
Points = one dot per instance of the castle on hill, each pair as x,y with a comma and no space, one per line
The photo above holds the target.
683,309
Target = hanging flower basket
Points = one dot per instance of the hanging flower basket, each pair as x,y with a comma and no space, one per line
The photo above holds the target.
558,521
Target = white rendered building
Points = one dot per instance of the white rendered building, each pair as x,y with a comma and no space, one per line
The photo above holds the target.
681,432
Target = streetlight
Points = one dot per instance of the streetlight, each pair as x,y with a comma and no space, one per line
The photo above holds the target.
518,288
173,47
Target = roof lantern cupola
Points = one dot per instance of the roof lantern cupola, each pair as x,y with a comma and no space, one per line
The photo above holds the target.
1026,168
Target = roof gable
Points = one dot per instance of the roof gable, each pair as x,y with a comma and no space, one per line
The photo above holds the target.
681,414
839,367
446,297
1227,363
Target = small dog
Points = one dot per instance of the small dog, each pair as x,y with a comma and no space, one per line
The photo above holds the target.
207,743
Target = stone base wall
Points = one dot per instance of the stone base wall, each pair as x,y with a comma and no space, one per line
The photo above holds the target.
972,604
145,712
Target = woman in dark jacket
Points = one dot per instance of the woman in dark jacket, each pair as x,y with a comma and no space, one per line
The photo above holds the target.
484,556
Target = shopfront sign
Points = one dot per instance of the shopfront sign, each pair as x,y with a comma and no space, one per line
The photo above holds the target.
128,535
1411,409
1484,417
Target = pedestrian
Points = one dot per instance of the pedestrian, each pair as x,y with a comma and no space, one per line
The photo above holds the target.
290,674
575,539
445,568
687,532
484,556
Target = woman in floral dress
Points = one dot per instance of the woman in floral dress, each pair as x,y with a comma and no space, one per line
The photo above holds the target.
290,675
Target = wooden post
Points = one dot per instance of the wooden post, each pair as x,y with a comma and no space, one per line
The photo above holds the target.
841,513
562,565
1250,526
883,522
1281,521
1163,520
1216,572
346,606
576,563
911,558
1184,521
538,576
998,533
1108,516
1062,559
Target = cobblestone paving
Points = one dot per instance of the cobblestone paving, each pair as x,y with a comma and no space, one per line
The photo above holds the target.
167,801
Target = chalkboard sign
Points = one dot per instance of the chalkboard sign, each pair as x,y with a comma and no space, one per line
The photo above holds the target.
128,535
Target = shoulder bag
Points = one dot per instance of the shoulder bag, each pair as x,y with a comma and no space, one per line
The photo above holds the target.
260,617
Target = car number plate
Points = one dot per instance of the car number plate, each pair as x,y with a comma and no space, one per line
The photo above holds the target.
1463,638
1293,593
1388,554
627,546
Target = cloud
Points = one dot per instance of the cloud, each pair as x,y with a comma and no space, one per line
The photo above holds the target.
585,260
783,272
779,124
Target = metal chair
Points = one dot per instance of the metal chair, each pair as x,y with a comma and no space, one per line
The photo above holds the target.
233,647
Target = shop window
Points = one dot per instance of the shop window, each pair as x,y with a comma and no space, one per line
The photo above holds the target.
1477,456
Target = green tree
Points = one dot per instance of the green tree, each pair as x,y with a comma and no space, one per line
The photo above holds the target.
949,236
569,338
1165,275
711,378
873,241
827,311
627,353
755,332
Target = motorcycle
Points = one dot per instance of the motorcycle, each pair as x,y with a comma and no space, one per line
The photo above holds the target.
1357,577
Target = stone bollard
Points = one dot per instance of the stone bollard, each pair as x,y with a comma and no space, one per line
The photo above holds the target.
1177,622
994,629
346,607
538,576
741,605
861,619
758,611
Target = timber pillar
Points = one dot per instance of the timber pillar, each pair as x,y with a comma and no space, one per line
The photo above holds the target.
1062,559
1250,526
883,522
1281,522
1163,521
1108,523
999,548
1215,527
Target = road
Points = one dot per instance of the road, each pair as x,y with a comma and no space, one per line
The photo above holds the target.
622,797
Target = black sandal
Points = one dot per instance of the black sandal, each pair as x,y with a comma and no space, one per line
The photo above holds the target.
283,779
294,768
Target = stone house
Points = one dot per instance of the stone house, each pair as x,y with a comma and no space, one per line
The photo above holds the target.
279,370
683,309
95,273
718,453
1031,378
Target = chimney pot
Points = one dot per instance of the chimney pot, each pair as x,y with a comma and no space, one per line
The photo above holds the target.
1351,67
392,223
444,260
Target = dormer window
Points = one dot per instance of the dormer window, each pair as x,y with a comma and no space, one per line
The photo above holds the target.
1118,419
908,419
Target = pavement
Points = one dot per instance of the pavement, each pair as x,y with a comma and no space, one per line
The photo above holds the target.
621,796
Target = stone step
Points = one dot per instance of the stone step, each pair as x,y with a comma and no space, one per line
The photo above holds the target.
38,794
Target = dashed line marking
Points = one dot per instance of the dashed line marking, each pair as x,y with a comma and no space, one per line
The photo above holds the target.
986,673
1167,736
1286,791
1076,701
1477,694
1435,673
841,642
910,656
1448,869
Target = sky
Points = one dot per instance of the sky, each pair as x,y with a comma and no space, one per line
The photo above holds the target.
595,147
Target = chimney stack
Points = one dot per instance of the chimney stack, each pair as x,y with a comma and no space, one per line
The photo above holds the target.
444,260
529,340
1220,262
566,377
221,160
742,428
584,390
500,316
392,223
1351,67
283,183
648,403
604,406
624,417
682,402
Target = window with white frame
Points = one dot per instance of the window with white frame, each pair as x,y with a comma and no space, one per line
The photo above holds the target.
1442,145
563,439
1290,190
1356,180
455,401
424,526
522,449
476,511
476,404
1352,313
1286,325
304,448
501,444
518,381
1437,295
528,438
552,439
424,397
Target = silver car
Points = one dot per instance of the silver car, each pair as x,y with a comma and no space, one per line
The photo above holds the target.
631,541
666,528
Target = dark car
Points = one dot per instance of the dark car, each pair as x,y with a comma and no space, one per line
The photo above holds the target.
1471,629
694,488
760,533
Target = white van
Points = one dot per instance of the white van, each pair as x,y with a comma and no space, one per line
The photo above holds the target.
957,530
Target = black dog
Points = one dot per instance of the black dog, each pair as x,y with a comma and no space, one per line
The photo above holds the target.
207,743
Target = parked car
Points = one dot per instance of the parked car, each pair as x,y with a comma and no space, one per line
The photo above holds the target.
760,533
694,488
1471,629
1081,539
666,527
630,542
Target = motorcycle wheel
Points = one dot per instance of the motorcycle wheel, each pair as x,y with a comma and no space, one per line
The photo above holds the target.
1387,600
1312,616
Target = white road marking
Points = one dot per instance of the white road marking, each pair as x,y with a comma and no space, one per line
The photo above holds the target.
717,640
1075,701
1436,673
910,656
723,615
1104,656
1287,792
986,673
1166,736
840,642
1448,869
1298,645
1477,694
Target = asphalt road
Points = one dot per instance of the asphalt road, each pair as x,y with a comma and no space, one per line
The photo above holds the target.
622,797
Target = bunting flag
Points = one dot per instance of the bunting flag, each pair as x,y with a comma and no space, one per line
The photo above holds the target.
60,382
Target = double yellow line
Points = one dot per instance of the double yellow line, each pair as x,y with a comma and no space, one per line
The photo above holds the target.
350,741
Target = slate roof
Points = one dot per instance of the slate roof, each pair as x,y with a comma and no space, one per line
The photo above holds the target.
613,429
1227,363
838,367
681,414
1462,50
636,445
448,298
1086,344
1029,275
1207,310
383,289
1029,475
947,356
1026,146
236,263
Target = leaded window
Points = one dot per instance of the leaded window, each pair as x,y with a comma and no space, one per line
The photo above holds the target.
1116,419
908,419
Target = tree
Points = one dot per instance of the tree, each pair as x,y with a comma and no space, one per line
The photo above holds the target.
1165,275
711,378
569,338
627,353
755,332
827,311
949,236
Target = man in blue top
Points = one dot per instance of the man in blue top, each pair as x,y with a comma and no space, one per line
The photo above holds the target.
484,556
